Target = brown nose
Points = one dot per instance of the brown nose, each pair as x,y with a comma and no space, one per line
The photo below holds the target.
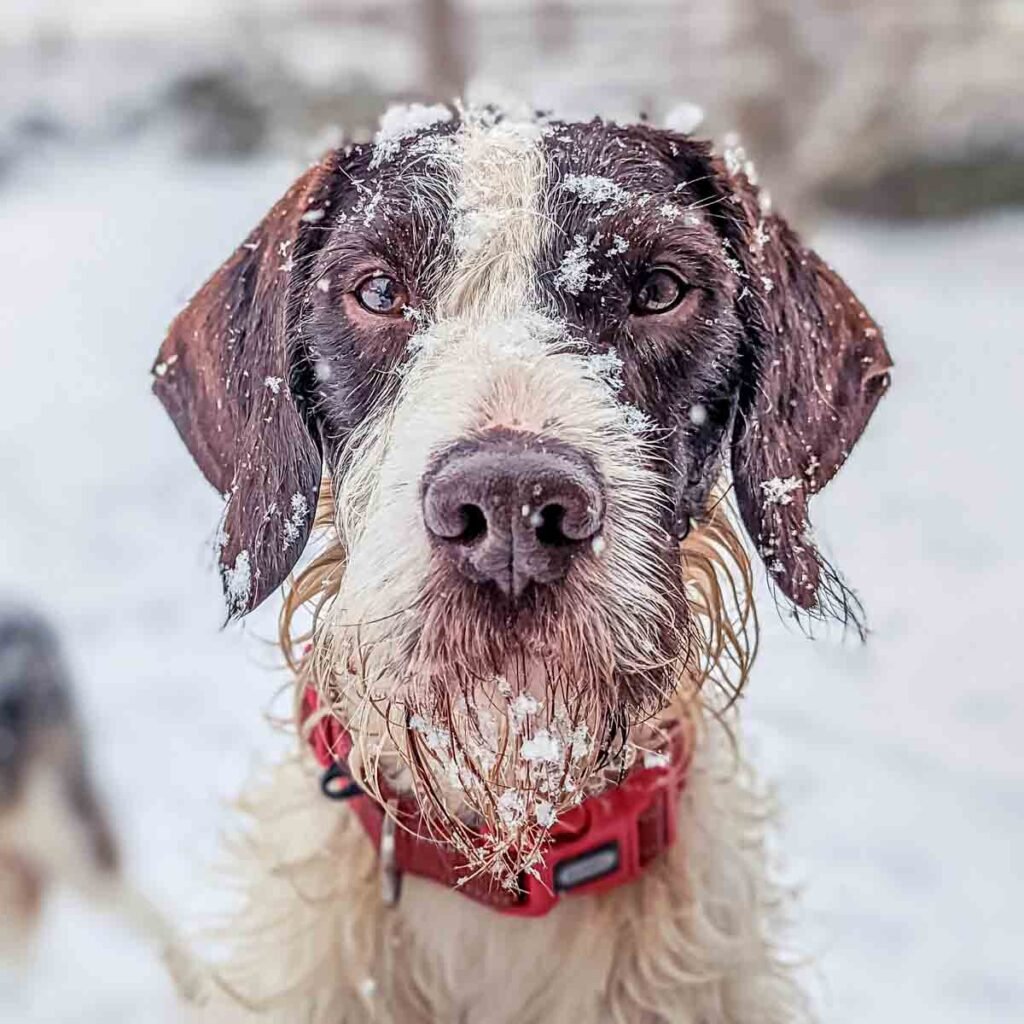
512,510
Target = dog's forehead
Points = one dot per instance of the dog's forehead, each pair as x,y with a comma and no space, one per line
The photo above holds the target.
485,210
633,186
427,163
635,157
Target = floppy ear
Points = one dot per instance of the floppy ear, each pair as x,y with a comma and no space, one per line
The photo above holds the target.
225,374
815,369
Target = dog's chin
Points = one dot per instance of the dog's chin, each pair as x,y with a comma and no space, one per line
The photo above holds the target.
517,711
562,643
504,714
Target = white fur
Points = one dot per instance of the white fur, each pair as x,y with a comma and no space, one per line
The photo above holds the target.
489,356
689,943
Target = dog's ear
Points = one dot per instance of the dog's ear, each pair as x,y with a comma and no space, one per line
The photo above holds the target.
815,368
227,375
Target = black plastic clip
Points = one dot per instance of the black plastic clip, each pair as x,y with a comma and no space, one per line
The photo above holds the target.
332,791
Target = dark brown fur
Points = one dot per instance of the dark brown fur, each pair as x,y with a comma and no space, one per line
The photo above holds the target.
772,345
777,346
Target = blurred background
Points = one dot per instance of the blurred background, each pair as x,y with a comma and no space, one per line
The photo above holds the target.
139,142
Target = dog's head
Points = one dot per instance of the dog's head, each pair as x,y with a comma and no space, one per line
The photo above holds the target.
522,351
35,705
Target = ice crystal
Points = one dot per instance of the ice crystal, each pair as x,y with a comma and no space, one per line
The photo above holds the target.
778,491
574,272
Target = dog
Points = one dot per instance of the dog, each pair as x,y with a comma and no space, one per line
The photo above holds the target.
517,369
54,827
52,823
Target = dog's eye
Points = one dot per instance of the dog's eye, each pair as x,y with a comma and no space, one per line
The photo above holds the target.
658,291
381,294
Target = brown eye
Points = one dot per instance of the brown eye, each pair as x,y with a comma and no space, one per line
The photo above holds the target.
658,291
381,294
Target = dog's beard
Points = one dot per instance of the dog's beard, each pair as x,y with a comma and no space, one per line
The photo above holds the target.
499,721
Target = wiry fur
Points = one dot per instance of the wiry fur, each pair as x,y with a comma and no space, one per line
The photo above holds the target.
524,249
695,941
405,643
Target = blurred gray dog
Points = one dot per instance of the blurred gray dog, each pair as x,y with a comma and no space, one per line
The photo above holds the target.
53,825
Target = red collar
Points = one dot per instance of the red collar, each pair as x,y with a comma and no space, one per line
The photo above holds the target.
604,842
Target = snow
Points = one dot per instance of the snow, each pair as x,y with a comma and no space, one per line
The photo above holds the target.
698,414
402,121
656,759
619,245
162,367
684,118
595,189
778,491
573,272
606,369
898,763
437,739
636,420
544,813
294,524
511,807
523,705
238,582
541,747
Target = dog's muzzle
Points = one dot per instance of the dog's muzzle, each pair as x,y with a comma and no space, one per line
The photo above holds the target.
512,509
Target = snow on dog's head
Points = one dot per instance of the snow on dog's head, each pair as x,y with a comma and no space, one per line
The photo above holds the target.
521,351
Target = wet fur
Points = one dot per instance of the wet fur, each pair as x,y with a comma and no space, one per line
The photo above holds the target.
697,940
520,241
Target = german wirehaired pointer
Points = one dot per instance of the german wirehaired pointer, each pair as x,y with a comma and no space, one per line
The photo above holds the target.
513,367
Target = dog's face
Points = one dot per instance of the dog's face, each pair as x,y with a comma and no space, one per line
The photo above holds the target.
522,350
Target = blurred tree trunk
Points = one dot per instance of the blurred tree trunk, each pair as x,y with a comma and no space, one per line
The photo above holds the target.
554,25
781,83
443,51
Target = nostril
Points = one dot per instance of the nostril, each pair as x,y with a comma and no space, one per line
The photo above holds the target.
548,526
450,518
474,524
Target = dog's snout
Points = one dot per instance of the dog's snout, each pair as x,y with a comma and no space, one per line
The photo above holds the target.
512,510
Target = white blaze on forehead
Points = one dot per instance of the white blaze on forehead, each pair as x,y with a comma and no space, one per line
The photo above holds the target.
500,173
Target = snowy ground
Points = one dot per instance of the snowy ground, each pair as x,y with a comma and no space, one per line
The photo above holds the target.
899,763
